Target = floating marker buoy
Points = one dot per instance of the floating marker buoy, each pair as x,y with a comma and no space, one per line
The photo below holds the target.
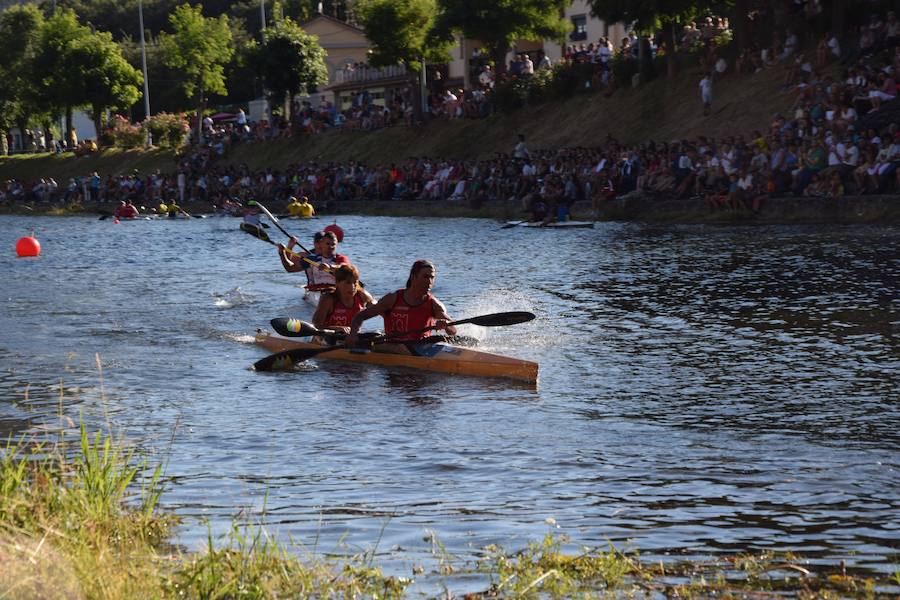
115,221
28,246
337,231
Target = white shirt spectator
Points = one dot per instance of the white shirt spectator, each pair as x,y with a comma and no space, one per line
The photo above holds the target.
527,66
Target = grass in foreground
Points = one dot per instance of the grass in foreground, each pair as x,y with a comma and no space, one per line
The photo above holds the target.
84,524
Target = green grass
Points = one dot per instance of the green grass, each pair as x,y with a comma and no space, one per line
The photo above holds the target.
79,519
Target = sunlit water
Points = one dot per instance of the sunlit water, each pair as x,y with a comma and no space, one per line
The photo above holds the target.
703,390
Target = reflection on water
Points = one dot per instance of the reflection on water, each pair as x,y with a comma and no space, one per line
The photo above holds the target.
703,390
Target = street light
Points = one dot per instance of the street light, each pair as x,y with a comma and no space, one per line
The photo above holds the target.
144,66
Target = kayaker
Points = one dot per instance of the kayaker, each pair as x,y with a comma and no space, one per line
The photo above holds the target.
408,309
319,277
163,208
336,310
306,209
293,207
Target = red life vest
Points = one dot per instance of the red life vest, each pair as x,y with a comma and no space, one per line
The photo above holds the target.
341,315
403,317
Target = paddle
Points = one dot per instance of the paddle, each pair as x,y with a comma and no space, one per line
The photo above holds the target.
258,234
284,360
276,222
290,327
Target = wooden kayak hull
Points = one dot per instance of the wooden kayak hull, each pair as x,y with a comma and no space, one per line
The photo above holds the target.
440,358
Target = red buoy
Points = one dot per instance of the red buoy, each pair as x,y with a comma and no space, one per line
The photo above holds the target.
28,246
337,231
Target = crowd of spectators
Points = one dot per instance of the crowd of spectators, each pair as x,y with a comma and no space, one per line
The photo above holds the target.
819,148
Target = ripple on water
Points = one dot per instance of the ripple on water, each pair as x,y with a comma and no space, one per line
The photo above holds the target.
704,390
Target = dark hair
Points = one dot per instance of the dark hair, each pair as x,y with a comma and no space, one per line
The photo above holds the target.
320,235
418,266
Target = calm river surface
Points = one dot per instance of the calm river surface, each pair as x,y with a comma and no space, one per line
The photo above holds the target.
703,390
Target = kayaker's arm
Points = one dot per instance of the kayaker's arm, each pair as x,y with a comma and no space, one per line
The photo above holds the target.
442,318
289,265
323,310
373,310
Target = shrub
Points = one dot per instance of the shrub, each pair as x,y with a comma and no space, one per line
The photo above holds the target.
510,95
540,88
566,79
167,129
123,134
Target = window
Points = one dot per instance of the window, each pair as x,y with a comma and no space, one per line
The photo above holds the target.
579,28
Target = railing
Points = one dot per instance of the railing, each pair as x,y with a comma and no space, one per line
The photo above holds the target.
361,74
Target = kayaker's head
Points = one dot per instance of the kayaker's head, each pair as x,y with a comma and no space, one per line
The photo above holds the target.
346,279
421,276
325,243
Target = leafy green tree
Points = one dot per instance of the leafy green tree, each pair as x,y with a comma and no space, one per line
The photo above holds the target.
58,72
20,28
290,60
110,82
499,23
402,32
199,47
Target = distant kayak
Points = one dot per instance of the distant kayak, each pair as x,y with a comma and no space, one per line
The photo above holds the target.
552,225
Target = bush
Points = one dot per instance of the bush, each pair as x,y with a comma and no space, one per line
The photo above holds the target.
167,129
566,80
510,95
123,134
540,88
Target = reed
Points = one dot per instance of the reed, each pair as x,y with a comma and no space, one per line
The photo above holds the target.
81,520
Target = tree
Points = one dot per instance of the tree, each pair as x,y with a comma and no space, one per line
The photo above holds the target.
110,81
499,23
199,47
290,60
20,28
57,71
651,15
401,32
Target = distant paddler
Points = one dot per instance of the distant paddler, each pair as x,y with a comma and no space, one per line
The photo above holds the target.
163,208
319,265
127,210
301,208
408,311
336,310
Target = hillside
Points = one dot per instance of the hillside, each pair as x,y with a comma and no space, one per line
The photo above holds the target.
661,111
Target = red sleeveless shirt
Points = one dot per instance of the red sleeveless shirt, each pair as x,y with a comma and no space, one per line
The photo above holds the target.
403,317
341,315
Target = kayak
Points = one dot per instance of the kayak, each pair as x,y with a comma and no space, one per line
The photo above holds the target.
441,358
552,225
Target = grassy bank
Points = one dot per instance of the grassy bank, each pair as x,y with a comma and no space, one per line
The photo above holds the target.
661,110
81,521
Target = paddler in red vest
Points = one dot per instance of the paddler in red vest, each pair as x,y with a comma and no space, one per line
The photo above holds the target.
336,310
408,310
318,277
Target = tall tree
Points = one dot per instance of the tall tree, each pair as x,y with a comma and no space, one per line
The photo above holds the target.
651,15
289,61
499,23
110,81
58,71
20,28
402,32
199,47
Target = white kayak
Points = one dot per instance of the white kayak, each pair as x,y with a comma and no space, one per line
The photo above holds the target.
551,225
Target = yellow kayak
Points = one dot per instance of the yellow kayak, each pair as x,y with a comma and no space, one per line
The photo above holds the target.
441,358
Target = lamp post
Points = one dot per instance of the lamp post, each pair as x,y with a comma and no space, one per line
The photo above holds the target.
144,67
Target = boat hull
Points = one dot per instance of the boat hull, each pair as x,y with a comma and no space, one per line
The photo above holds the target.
440,358
553,225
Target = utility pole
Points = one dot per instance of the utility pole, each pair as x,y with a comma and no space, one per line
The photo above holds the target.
262,20
144,67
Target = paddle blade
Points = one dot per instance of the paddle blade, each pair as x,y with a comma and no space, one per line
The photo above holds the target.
255,232
284,361
289,327
500,319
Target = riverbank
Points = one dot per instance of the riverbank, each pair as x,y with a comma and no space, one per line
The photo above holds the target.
73,526
637,208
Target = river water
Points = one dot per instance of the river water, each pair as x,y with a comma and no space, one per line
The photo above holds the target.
703,390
